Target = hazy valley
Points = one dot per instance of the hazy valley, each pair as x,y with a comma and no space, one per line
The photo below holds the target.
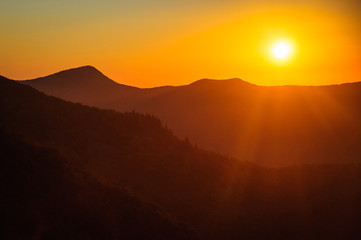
271,126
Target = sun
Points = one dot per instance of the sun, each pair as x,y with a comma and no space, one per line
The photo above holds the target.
282,50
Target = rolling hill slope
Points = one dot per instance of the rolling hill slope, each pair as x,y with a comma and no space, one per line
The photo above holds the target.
44,197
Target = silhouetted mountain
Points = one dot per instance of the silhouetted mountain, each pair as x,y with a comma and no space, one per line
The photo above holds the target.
273,126
222,198
43,197
81,84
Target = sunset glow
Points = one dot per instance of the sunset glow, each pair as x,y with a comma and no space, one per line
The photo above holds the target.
154,43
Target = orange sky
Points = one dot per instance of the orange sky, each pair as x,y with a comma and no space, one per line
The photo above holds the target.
151,43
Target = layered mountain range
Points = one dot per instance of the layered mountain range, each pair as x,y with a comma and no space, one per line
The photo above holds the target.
273,126
65,168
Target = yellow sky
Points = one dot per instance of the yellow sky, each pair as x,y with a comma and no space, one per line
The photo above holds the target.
159,47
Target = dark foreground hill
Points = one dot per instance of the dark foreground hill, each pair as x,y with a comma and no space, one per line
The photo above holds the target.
43,197
272,126
220,197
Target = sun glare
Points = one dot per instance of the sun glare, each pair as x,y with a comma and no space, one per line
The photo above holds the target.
281,50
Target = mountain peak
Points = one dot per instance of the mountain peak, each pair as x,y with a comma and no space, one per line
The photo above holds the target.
86,68
230,81
83,72
80,76
83,68
85,83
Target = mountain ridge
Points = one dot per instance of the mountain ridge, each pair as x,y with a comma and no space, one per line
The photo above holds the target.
272,126
95,71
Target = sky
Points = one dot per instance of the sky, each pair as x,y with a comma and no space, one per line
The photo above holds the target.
148,43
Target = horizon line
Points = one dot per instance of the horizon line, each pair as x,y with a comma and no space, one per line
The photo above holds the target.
202,79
